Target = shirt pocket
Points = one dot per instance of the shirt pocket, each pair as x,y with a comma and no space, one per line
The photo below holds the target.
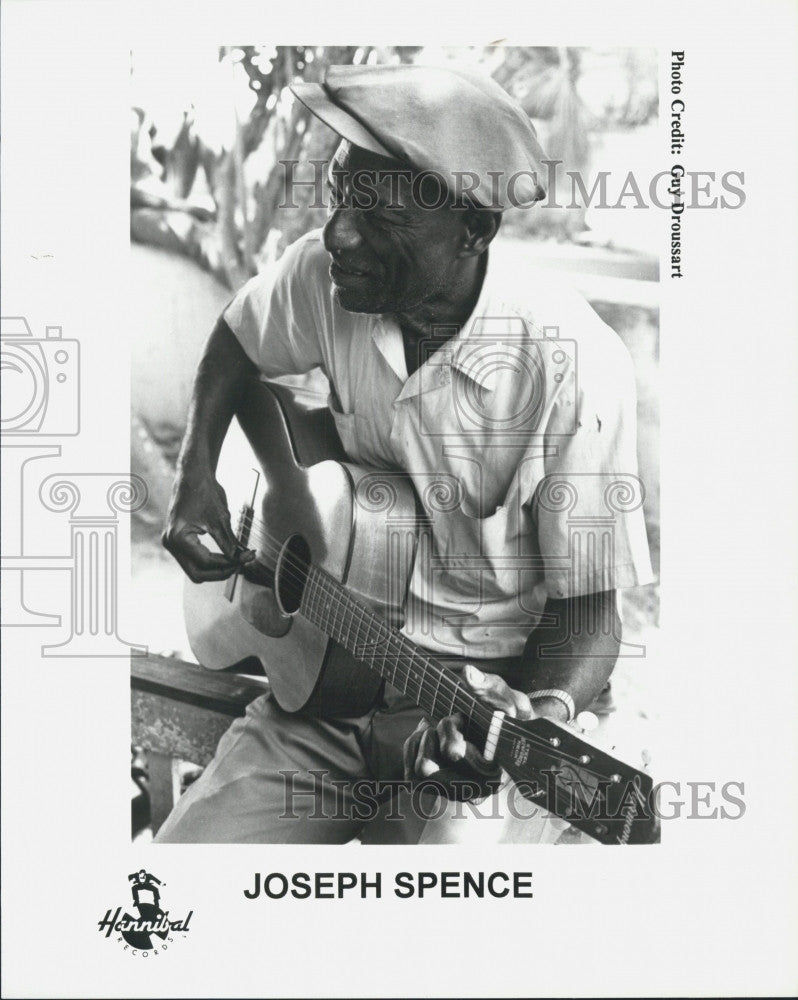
361,436
346,426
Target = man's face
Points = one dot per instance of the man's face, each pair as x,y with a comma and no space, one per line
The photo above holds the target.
389,252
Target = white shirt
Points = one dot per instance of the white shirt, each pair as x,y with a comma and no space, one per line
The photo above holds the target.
519,435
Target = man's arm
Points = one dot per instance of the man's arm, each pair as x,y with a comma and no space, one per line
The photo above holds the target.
585,645
199,504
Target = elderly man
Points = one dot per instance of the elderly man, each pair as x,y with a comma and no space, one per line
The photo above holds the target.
450,371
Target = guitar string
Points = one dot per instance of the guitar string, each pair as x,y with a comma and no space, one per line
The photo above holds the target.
299,571
508,726
318,580
385,633
452,689
412,653
505,740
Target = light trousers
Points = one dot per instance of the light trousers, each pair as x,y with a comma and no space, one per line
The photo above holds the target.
281,779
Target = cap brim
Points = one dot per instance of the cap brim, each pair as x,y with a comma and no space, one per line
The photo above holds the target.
316,99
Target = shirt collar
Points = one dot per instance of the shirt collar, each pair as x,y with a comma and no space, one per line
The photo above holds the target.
387,337
465,352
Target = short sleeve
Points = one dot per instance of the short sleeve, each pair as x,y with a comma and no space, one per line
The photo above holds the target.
589,506
274,315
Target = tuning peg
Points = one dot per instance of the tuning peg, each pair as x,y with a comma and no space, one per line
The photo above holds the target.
587,721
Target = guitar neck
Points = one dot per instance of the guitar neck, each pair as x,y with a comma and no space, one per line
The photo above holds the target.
525,753
370,640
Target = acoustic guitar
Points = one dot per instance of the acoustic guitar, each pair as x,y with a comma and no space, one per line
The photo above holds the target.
320,608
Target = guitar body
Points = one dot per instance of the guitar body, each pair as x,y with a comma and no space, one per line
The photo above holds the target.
305,487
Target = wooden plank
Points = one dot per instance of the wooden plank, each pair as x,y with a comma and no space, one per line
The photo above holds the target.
181,710
216,691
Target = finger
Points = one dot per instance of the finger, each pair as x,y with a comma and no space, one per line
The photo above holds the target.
222,533
197,560
523,706
192,549
410,751
495,691
450,738
491,688
197,575
428,753
475,760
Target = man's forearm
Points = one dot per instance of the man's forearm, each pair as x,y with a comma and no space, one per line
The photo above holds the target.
577,655
221,375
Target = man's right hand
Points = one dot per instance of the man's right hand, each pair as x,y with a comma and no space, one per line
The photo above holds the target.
198,507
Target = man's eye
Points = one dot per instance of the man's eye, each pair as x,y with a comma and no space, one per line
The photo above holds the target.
336,190
387,216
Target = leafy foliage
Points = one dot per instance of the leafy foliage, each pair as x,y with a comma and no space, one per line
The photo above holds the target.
570,93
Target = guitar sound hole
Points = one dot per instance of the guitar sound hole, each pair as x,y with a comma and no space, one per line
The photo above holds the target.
290,574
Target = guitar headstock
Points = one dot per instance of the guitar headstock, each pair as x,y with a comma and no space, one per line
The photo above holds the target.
556,767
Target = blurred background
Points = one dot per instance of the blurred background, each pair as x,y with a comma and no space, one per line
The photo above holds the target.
208,129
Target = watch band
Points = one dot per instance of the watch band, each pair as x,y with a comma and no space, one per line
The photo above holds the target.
560,695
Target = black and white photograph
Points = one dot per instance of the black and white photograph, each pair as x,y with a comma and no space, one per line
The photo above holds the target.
438,512
398,467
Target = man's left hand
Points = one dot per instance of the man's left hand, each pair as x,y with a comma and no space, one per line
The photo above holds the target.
442,753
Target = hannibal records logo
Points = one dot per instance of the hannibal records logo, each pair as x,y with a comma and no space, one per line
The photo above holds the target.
152,931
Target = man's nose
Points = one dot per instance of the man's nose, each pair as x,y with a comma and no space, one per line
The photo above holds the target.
340,232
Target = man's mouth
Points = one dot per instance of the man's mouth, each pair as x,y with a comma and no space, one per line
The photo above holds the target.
344,274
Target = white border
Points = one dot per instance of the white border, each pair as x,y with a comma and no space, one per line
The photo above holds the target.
712,910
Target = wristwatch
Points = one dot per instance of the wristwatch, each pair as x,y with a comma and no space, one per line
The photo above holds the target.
560,695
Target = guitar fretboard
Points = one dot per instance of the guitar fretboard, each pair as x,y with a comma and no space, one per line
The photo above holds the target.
369,639
326,604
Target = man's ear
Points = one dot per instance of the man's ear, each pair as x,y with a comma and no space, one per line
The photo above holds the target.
481,225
